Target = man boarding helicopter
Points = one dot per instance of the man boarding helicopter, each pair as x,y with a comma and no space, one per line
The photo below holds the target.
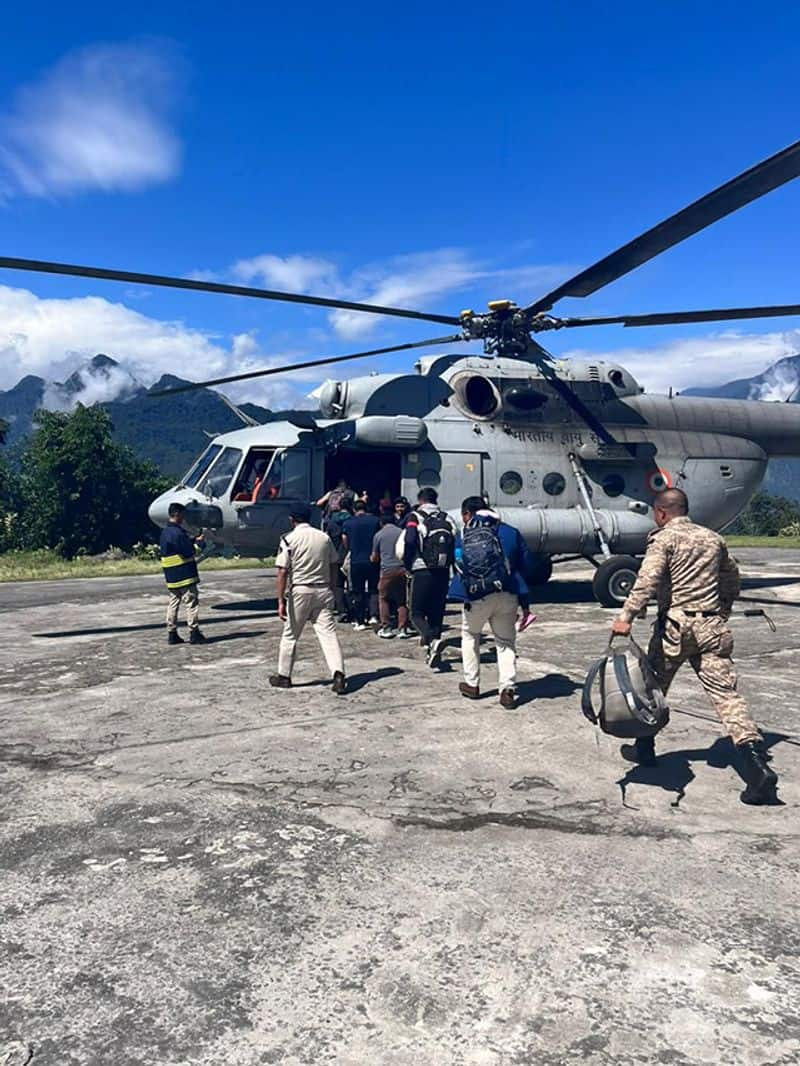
571,453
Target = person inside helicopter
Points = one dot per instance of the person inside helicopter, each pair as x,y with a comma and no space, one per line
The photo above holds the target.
253,483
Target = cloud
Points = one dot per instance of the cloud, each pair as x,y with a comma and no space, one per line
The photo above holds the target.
294,273
99,119
699,361
90,386
54,337
417,281
778,385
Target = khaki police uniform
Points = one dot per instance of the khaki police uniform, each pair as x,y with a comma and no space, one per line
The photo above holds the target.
688,568
308,555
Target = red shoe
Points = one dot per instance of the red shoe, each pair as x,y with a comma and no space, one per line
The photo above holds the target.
525,621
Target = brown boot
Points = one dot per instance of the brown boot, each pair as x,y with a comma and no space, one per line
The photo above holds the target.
339,685
470,692
280,681
508,699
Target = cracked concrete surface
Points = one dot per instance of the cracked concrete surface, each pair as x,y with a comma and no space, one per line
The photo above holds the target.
198,869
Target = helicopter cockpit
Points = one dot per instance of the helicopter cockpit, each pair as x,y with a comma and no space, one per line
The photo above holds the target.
240,488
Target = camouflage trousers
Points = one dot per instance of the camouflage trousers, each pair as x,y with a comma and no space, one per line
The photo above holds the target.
707,643
190,599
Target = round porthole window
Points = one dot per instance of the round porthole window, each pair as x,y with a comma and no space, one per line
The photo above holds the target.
511,482
554,484
613,485
659,480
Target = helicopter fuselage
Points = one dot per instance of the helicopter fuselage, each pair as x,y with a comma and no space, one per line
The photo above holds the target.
496,428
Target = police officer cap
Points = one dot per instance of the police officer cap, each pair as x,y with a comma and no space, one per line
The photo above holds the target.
301,512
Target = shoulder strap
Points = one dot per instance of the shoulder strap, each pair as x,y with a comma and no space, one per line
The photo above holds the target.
587,703
648,711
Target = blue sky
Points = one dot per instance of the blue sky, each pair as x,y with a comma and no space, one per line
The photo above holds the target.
432,157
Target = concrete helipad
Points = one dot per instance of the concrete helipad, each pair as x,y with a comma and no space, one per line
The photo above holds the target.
195,868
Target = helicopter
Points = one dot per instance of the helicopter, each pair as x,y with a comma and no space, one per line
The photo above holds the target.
571,452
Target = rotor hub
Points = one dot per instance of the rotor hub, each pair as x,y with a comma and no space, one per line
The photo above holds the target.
505,328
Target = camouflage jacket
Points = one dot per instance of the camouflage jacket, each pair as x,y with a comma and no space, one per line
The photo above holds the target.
685,566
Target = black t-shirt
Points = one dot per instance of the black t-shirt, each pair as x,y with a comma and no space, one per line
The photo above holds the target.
359,532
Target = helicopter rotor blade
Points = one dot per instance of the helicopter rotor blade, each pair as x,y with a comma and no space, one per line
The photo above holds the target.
454,338
72,270
667,318
747,186
544,361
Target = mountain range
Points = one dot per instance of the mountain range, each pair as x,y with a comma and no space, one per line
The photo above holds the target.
779,383
170,430
173,430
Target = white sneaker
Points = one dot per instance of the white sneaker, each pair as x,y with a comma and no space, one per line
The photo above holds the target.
374,621
404,634
387,632
435,653
359,627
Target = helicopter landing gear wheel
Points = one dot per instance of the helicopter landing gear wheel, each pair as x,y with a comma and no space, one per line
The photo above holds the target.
614,579
541,571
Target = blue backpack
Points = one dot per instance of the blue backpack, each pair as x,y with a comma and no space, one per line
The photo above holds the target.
484,567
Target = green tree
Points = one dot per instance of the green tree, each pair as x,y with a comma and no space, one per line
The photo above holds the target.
81,491
9,498
766,516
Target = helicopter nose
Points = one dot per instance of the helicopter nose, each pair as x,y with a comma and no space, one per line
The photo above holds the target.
157,512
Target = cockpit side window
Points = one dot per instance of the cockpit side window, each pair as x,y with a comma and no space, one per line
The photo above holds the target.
252,483
219,478
201,465
289,474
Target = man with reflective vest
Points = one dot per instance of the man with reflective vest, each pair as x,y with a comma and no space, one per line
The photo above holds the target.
180,573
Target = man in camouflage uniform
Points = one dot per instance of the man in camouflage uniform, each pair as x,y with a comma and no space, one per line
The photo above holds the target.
688,568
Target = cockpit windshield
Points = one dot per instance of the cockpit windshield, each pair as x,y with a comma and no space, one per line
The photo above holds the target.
201,465
221,473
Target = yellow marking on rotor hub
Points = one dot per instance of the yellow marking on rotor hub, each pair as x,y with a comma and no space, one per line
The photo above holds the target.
500,305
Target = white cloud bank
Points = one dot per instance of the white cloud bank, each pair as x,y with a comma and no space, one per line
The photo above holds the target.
99,119
51,338
417,281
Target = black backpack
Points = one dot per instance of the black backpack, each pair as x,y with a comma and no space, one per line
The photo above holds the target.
484,567
438,541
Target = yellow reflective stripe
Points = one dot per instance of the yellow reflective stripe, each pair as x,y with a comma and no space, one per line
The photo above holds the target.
182,584
175,560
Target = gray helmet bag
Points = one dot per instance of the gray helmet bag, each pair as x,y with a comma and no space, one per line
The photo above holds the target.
631,704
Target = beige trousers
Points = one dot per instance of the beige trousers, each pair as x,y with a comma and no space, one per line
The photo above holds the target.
191,601
707,644
308,603
499,610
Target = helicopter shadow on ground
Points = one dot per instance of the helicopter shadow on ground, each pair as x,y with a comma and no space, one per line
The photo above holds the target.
572,590
265,604
240,634
102,631
768,582
673,771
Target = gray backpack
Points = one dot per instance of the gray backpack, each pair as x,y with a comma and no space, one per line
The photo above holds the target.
631,704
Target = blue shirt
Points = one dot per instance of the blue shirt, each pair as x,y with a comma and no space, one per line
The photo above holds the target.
360,532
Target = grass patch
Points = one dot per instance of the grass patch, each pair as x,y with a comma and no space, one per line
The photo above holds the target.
48,566
763,542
